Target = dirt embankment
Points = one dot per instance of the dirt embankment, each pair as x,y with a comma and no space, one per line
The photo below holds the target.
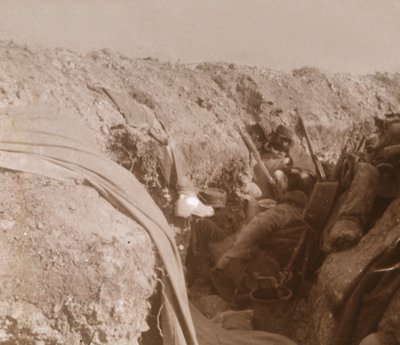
73,269
199,104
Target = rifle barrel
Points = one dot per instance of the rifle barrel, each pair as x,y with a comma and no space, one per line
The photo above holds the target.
317,163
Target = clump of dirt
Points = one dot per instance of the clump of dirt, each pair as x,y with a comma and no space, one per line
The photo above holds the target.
137,152
74,269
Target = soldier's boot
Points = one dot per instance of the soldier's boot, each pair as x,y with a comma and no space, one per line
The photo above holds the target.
189,204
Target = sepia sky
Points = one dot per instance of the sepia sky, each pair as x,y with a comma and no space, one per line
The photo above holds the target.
358,36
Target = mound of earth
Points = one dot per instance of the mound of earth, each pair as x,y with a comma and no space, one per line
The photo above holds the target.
74,270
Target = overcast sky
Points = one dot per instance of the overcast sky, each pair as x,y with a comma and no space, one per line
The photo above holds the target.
339,35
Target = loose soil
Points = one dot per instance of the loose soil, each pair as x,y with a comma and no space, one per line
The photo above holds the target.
74,270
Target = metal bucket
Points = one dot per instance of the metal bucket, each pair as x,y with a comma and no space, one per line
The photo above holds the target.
272,309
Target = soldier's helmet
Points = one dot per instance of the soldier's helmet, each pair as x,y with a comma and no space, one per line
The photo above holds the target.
259,132
282,138
284,132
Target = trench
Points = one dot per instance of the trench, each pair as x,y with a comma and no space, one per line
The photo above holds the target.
291,309
293,317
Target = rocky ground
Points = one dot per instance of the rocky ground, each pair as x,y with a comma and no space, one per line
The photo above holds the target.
200,106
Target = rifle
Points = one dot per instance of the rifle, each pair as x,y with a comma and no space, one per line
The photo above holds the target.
324,194
320,170
253,149
361,144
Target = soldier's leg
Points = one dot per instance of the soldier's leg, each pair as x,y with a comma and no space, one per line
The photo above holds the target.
174,170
